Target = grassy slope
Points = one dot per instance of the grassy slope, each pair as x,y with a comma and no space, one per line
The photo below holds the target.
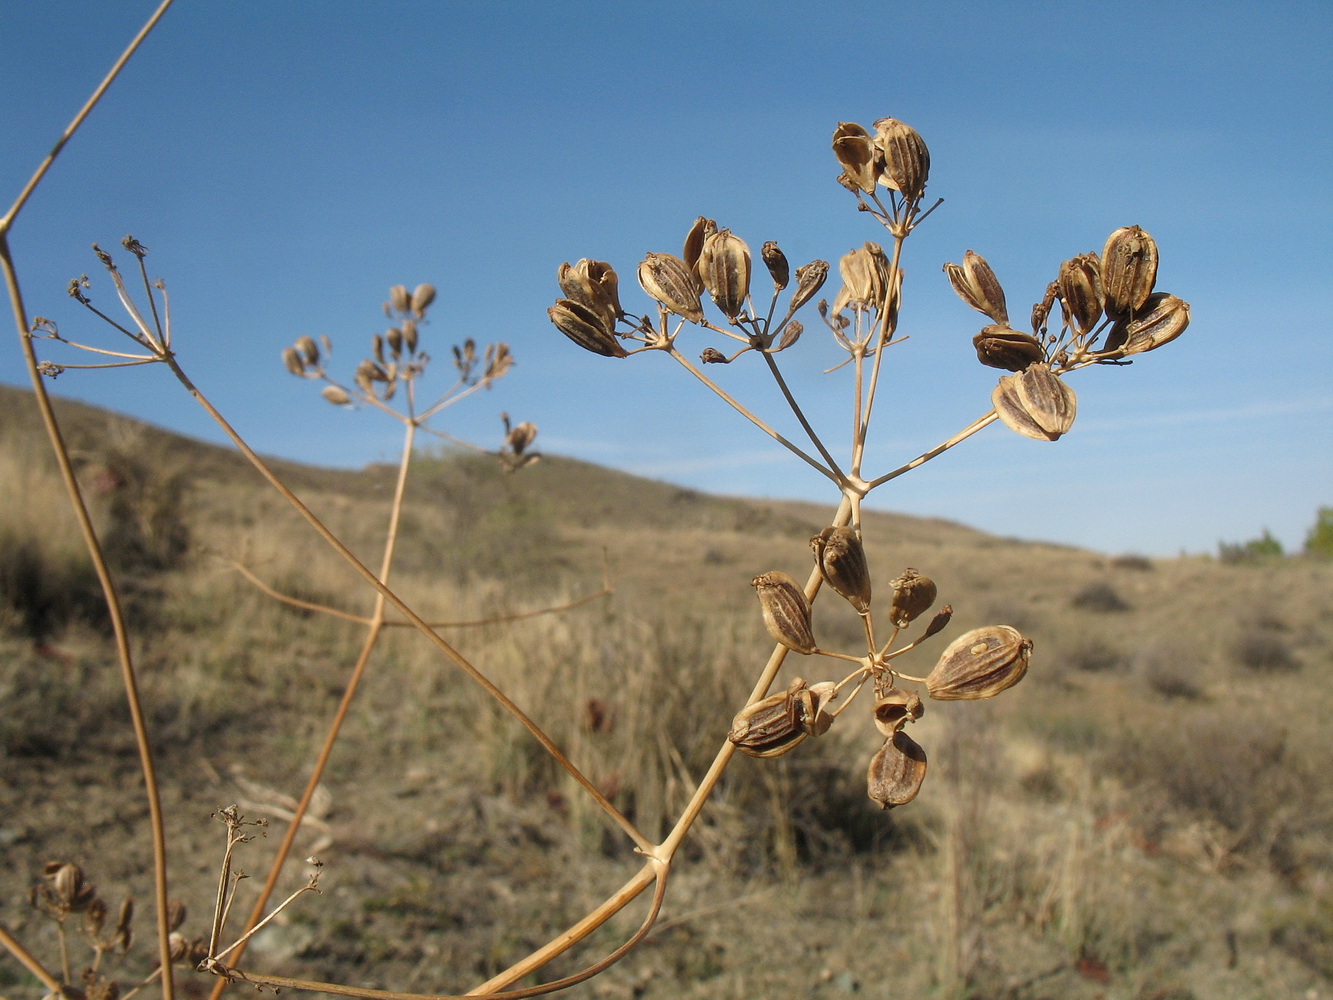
1146,815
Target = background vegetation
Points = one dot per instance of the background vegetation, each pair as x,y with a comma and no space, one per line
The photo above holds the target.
1146,815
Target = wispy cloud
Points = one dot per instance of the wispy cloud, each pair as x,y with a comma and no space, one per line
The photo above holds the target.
1261,410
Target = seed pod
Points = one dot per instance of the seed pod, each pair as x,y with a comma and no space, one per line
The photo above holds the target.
865,276
913,594
422,296
335,395
896,709
1129,270
980,664
712,356
938,622
94,918
586,327
896,771
841,559
124,935
694,245
857,155
1080,284
395,338
776,262
790,334
71,893
906,158
1162,319
593,283
1042,310
399,299
1036,403
976,284
670,282
520,436
292,361
817,720
786,610
724,269
308,350
809,280
410,336
1000,347
772,726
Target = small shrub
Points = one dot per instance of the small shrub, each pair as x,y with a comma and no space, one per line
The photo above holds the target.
1265,548
1135,562
1265,653
1099,597
1171,684
1095,658
1319,542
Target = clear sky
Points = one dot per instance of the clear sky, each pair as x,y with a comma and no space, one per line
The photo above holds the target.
287,162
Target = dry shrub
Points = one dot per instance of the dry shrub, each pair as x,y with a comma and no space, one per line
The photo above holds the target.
1265,653
1095,657
1246,784
1099,597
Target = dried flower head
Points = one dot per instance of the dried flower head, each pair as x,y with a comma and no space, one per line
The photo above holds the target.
1036,403
670,281
865,277
1128,270
858,156
1080,286
976,284
593,283
809,280
773,725
896,771
586,327
913,594
841,559
786,610
1162,319
906,160
422,296
895,709
1000,347
724,269
980,664
776,262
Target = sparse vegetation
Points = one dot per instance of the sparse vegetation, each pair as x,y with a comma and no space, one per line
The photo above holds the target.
1319,540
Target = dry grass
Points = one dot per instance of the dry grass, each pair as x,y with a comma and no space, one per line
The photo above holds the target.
1100,829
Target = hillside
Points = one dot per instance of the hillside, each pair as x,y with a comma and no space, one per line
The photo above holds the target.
1146,815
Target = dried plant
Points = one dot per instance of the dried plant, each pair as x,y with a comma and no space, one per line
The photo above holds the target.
1109,312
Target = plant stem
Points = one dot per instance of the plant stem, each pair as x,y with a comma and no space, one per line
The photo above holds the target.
938,450
734,404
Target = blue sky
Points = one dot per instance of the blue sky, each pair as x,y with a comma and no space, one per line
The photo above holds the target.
287,162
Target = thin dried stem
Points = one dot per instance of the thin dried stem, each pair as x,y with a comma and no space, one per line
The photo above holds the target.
295,602
393,599
772,363
739,408
26,959
129,677
130,681
939,449
7,220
